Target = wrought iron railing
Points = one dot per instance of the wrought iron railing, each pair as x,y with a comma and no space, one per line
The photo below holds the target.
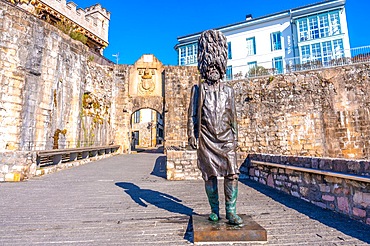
289,65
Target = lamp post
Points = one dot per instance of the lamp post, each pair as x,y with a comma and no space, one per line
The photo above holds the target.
150,124
116,56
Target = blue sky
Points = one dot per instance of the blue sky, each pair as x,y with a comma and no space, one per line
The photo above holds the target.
152,27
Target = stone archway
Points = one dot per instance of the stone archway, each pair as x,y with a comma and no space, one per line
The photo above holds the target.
147,128
146,84
145,91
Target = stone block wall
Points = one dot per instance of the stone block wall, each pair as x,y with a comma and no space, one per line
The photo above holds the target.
95,19
317,113
17,165
338,165
49,85
52,93
343,195
178,82
322,113
181,164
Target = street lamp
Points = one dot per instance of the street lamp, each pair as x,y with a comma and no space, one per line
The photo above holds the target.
150,124
116,56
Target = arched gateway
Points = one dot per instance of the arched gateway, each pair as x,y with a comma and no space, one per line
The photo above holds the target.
145,91
148,84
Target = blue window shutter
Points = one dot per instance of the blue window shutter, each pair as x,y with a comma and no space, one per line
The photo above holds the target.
229,55
254,45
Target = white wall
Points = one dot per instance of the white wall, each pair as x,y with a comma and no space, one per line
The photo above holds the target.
262,33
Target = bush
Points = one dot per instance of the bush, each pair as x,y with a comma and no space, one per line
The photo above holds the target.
67,28
257,71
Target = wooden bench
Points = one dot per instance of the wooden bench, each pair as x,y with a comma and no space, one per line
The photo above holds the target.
56,156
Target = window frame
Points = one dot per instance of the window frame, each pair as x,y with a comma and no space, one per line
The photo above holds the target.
278,44
229,54
229,72
251,50
275,61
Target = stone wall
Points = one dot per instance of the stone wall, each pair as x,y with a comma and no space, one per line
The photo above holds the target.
52,93
317,113
49,85
337,193
95,19
181,164
178,82
17,165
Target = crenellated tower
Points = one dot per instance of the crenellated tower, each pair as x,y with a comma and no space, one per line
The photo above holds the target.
93,22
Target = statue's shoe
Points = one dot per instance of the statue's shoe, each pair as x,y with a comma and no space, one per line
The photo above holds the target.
234,219
213,217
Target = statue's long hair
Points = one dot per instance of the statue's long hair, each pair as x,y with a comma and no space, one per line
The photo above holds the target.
212,49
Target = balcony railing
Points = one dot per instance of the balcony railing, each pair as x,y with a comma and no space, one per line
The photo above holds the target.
295,64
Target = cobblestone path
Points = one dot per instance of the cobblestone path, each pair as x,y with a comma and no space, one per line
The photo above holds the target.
124,200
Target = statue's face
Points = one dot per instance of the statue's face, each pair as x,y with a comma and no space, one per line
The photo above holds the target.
213,74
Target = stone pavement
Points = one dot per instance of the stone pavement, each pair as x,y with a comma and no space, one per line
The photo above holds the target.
124,200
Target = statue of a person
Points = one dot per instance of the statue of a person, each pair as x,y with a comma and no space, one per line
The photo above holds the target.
212,125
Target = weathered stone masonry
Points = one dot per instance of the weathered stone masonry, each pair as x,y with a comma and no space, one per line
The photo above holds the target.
52,91
318,113
51,84
330,190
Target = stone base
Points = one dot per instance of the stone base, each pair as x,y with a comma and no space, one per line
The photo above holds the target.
206,231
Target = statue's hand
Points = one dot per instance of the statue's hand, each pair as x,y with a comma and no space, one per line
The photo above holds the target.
193,142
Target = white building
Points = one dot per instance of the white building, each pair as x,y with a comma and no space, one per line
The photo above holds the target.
311,35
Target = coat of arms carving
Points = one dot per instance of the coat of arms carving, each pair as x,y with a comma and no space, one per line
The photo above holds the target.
147,82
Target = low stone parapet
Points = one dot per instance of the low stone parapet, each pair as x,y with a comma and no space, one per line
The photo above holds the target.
181,164
17,165
336,184
20,165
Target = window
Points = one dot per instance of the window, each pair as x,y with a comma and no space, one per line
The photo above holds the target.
318,26
338,48
188,54
303,30
229,56
252,66
275,41
323,52
314,27
182,55
251,46
190,50
305,53
326,52
277,63
324,26
137,117
334,23
316,51
229,73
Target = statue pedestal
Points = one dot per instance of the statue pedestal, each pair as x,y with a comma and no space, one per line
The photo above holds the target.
206,231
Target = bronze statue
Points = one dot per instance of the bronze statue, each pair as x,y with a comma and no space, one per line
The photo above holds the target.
212,126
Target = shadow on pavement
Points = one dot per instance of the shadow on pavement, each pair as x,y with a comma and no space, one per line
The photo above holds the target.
159,169
156,198
327,217
150,150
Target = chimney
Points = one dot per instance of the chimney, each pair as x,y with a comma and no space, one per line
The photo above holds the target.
248,17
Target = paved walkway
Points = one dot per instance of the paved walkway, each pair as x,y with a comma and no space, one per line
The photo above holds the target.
124,200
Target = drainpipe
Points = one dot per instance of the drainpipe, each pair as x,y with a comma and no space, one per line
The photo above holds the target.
293,36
